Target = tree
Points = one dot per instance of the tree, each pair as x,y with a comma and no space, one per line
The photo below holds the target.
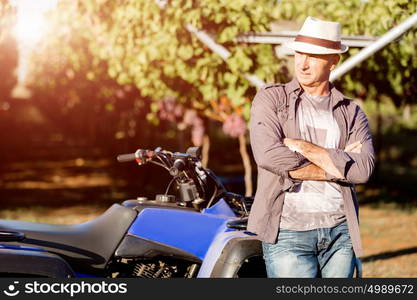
148,45
69,81
151,47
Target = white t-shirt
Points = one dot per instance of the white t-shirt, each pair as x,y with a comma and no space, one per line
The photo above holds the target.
315,204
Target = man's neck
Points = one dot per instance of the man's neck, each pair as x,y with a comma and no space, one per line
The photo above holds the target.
322,89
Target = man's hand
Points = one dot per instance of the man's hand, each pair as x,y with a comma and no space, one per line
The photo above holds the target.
293,144
355,147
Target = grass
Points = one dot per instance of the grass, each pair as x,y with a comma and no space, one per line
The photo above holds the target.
388,233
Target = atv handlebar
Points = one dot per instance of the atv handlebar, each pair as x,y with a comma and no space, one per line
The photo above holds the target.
141,156
193,180
126,157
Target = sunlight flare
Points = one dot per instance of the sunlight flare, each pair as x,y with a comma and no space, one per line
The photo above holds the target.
29,30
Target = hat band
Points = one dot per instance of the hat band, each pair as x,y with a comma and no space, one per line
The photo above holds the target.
319,42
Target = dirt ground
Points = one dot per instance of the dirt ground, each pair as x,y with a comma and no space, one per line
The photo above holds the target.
389,240
388,234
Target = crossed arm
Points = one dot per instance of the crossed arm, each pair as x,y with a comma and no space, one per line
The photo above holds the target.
320,158
354,164
296,160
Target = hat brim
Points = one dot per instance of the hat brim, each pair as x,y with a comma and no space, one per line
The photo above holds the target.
314,49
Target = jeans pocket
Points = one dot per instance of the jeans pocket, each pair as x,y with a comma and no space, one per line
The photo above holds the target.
342,228
284,244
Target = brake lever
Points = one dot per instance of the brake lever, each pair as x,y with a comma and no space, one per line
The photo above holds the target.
163,157
143,156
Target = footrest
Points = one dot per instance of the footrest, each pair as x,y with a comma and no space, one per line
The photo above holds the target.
11,236
238,223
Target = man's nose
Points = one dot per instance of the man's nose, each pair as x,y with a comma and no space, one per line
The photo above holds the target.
304,61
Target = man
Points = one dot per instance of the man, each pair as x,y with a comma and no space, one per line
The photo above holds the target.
311,145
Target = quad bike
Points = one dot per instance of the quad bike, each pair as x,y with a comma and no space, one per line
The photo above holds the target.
199,231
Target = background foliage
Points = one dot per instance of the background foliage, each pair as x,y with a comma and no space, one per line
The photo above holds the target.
106,68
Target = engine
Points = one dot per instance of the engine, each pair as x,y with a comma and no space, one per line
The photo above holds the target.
155,268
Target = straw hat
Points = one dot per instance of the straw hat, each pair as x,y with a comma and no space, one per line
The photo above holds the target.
318,37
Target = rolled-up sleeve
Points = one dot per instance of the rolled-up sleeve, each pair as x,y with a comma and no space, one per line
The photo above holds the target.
266,138
355,167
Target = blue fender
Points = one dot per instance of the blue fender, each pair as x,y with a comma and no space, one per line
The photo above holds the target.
189,231
215,250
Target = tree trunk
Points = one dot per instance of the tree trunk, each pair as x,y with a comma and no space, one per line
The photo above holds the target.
246,164
407,113
181,140
205,151
378,140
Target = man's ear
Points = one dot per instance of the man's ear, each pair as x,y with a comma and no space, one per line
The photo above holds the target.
336,59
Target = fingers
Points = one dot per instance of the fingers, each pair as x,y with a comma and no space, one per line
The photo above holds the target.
349,148
355,147
291,144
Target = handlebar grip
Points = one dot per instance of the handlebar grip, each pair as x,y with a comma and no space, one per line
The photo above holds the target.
126,157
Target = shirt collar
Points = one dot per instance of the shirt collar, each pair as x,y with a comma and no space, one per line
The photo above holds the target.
335,95
294,86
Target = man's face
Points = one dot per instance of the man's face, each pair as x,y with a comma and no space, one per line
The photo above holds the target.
313,69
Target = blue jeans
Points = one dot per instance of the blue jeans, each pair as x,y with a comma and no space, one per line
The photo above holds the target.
323,252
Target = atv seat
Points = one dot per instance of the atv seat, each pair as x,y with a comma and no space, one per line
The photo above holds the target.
87,247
